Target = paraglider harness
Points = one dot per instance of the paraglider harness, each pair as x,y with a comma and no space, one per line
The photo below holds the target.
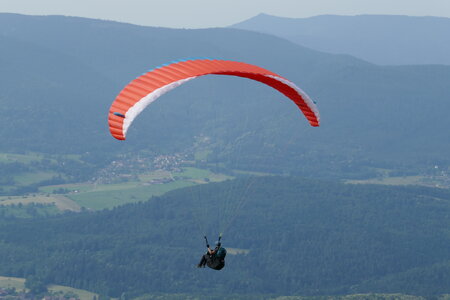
216,260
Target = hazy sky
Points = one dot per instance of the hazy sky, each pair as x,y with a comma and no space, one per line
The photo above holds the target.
214,13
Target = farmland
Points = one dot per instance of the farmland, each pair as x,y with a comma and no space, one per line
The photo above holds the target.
123,180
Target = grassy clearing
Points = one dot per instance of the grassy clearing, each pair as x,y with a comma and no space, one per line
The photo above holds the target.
33,177
34,157
193,173
12,282
72,187
82,294
21,158
19,285
105,197
110,195
252,173
100,196
158,174
60,201
90,187
404,180
28,211
75,157
199,175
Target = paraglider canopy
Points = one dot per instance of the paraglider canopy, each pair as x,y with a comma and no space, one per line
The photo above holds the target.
145,89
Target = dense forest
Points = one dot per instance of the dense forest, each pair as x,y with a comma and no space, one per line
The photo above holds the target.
297,237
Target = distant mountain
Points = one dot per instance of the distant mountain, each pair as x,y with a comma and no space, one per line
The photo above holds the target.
59,76
299,236
381,39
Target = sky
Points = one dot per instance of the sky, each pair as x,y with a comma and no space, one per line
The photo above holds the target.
215,13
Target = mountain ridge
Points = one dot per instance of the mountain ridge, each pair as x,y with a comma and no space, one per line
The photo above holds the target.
380,39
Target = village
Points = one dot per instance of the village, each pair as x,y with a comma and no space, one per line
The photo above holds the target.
128,167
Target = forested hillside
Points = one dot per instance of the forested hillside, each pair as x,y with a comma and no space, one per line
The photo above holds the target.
60,74
298,237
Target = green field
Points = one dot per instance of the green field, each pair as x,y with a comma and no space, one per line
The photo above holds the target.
33,177
158,174
28,170
25,178
12,282
403,180
33,157
60,201
19,285
100,196
21,158
199,175
384,177
113,196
